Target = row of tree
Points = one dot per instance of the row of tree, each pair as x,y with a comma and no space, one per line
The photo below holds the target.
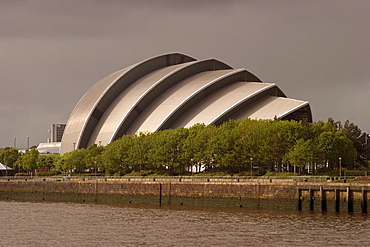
233,147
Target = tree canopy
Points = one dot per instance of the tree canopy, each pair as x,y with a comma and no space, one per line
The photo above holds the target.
232,147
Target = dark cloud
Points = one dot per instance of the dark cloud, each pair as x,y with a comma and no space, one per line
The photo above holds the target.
52,52
85,18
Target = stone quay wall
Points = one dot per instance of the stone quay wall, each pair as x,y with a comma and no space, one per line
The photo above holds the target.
284,194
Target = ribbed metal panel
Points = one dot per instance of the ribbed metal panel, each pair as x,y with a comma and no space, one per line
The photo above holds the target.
170,91
101,95
131,123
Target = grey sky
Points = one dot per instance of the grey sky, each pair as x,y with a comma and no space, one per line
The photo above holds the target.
52,52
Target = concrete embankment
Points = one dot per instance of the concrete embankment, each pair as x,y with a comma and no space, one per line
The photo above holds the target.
284,194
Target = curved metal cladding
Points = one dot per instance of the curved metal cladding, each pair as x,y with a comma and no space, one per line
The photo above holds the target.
93,104
166,94
119,110
171,91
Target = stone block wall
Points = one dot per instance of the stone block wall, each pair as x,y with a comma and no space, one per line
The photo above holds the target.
248,194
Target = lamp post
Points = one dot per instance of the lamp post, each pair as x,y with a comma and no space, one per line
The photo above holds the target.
95,167
5,163
251,159
340,167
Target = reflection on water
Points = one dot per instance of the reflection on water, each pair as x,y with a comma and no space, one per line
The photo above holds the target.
64,224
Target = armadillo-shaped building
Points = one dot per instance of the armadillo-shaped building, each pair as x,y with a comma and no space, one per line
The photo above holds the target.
170,91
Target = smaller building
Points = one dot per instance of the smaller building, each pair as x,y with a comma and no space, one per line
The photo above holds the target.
6,170
364,139
56,132
49,148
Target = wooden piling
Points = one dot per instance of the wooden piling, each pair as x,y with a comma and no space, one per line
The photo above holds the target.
323,200
311,200
337,200
364,201
169,193
258,196
349,201
299,205
160,194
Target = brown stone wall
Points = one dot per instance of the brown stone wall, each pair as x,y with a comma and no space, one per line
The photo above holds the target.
251,194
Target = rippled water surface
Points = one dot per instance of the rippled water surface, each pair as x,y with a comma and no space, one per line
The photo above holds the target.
64,224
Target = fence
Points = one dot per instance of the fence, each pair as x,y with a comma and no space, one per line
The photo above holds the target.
225,179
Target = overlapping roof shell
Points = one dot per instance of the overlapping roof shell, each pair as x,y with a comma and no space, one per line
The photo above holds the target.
171,91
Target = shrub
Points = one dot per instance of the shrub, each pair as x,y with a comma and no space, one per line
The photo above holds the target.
280,174
212,174
163,173
21,174
329,172
47,173
143,173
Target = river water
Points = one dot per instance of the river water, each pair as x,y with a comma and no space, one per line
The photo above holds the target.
68,224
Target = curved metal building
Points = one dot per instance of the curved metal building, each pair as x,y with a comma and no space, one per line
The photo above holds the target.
171,91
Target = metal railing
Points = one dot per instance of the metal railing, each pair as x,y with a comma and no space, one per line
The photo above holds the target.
261,179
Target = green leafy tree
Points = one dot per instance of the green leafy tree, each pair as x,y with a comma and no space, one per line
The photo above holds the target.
195,147
9,157
93,157
244,139
61,162
226,148
139,155
272,144
345,149
353,132
76,160
257,143
116,156
326,147
301,154
29,160
167,149
47,161
221,148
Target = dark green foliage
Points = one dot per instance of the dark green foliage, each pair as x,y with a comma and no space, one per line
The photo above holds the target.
229,148
21,174
9,157
29,160
236,147
47,173
47,161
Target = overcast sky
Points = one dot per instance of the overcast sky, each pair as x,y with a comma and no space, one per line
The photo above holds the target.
53,51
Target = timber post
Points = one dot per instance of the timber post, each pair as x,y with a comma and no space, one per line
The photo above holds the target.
299,206
349,201
364,201
160,194
337,200
323,200
311,200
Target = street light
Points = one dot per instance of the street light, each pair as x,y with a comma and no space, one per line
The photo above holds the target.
95,167
251,159
340,167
